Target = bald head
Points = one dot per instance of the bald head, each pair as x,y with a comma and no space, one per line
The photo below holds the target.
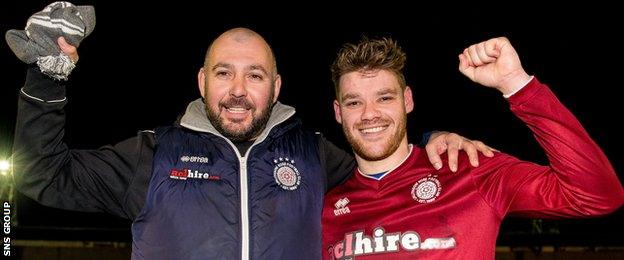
240,34
241,38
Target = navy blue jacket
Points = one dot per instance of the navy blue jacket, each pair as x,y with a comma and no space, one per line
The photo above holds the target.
189,191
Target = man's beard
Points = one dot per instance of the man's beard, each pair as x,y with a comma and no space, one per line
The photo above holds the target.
249,133
392,144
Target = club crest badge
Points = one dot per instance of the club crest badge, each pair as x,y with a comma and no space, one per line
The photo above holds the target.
286,174
426,189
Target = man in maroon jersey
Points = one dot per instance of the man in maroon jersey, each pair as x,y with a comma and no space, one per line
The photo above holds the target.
398,206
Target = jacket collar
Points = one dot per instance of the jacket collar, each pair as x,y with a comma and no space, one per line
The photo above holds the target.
195,118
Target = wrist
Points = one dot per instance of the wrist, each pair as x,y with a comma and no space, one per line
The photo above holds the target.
514,82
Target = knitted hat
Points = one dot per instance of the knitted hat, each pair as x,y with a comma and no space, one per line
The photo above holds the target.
38,42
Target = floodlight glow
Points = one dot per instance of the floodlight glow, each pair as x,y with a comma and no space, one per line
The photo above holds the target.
4,165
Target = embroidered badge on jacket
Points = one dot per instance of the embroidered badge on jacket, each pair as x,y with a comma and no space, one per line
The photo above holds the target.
286,174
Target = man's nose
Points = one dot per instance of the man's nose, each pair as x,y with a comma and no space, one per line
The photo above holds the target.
370,111
239,88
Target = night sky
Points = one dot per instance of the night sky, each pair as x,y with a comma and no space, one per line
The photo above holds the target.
138,71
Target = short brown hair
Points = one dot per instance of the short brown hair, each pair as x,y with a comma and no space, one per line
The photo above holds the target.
367,55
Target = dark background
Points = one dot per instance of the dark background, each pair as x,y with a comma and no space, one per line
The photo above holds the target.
138,70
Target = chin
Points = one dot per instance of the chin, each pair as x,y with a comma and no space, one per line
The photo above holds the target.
374,156
238,130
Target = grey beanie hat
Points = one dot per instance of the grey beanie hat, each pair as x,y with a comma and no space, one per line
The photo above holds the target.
38,42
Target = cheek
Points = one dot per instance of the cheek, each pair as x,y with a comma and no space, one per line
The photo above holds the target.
216,87
349,118
259,95
396,113
214,96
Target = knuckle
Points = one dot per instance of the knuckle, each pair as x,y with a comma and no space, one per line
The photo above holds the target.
439,137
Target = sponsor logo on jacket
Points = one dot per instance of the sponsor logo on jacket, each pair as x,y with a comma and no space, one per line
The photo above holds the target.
192,174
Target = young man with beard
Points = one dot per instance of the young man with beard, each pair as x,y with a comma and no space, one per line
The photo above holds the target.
236,178
397,206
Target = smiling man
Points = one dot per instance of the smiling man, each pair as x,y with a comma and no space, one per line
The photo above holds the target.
396,206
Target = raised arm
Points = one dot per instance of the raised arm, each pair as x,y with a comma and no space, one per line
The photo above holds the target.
111,179
579,181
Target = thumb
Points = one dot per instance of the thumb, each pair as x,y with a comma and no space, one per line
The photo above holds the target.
464,66
68,49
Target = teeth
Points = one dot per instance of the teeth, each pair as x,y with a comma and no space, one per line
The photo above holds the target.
373,130
237,110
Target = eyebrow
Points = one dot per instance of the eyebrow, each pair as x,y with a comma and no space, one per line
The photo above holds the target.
250,67
349,96
382,92
222,65
387,91
258,67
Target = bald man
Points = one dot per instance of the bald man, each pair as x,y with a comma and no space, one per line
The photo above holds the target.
236,178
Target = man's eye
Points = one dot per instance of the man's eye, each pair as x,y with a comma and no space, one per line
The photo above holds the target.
222,73
256,77
383,99
352,103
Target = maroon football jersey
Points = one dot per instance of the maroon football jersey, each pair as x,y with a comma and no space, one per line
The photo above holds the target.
417,212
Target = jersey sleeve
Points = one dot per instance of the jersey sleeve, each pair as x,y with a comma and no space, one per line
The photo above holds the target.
579,180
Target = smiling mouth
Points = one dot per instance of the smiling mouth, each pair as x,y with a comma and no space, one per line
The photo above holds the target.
237,110
373,130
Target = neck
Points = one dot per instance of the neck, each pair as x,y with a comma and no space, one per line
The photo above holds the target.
390,162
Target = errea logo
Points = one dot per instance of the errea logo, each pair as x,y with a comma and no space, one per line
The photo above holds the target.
199,159
341,207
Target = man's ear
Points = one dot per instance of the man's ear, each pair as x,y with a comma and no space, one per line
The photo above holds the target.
201,82
337,112
277,86
409,100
